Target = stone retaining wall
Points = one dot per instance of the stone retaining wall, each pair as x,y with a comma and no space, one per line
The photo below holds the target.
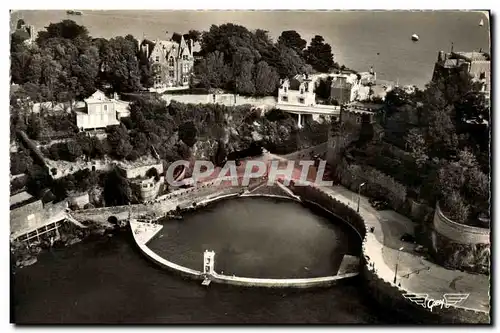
457,232
460,246
385,292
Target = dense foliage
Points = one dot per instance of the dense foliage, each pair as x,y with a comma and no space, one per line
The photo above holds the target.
250,63
67,64
439,148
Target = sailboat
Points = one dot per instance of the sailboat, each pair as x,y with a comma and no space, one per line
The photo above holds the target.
481,23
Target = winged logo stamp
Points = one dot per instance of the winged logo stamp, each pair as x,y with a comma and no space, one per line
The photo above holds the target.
429,303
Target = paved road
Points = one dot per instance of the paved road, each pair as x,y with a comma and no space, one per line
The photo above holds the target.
431,279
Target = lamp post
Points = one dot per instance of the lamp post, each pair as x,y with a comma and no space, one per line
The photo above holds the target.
359,194
397,263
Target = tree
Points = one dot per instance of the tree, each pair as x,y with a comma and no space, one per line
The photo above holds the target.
118,140
456,208
20,163
266,79
212,72
319,55
416,144
243,81
194,35
290,63
116,189
293,40
66,29
187,133
120,64
74,150
451,178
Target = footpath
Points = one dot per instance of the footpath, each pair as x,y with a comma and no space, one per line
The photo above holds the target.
414,273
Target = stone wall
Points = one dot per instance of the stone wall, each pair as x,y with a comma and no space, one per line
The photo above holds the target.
457,232
79,199
227,100
148,189
139,171
460,246
386,293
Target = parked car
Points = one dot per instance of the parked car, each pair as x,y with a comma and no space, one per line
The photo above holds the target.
378,204
420,249
407,238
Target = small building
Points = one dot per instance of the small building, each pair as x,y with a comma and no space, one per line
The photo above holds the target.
78,200
145,185
99,112
476,64
344,88
147,188
297,91
31,218
139,168
26,32
359,113
171,60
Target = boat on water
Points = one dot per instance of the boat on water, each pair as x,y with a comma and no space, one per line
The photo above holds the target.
74,12
481,23
414,37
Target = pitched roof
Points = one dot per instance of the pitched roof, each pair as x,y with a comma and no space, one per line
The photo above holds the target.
97,97
19,198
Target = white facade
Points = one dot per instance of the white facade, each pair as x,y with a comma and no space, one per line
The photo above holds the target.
100,112
303,96
208,262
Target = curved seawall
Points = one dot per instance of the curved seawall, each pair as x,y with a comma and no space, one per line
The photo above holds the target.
378,277
145,231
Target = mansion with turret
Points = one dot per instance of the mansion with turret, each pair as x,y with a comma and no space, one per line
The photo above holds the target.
171,60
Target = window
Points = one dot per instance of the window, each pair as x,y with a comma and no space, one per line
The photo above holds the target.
185,57
285,88
185,79
105,107
284,98
171,74
307,88
157,58
301,90
358,120
482,76
171,62
301,100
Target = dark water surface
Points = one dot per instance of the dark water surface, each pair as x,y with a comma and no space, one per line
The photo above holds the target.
109,281
259,237
359,39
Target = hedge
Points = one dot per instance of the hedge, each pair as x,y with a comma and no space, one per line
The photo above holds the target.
377,184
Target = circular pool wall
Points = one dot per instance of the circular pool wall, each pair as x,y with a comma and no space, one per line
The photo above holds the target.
259,237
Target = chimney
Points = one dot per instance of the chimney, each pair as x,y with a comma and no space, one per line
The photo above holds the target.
441,56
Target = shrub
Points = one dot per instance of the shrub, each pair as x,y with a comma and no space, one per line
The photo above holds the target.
378,184
20,163
455,207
